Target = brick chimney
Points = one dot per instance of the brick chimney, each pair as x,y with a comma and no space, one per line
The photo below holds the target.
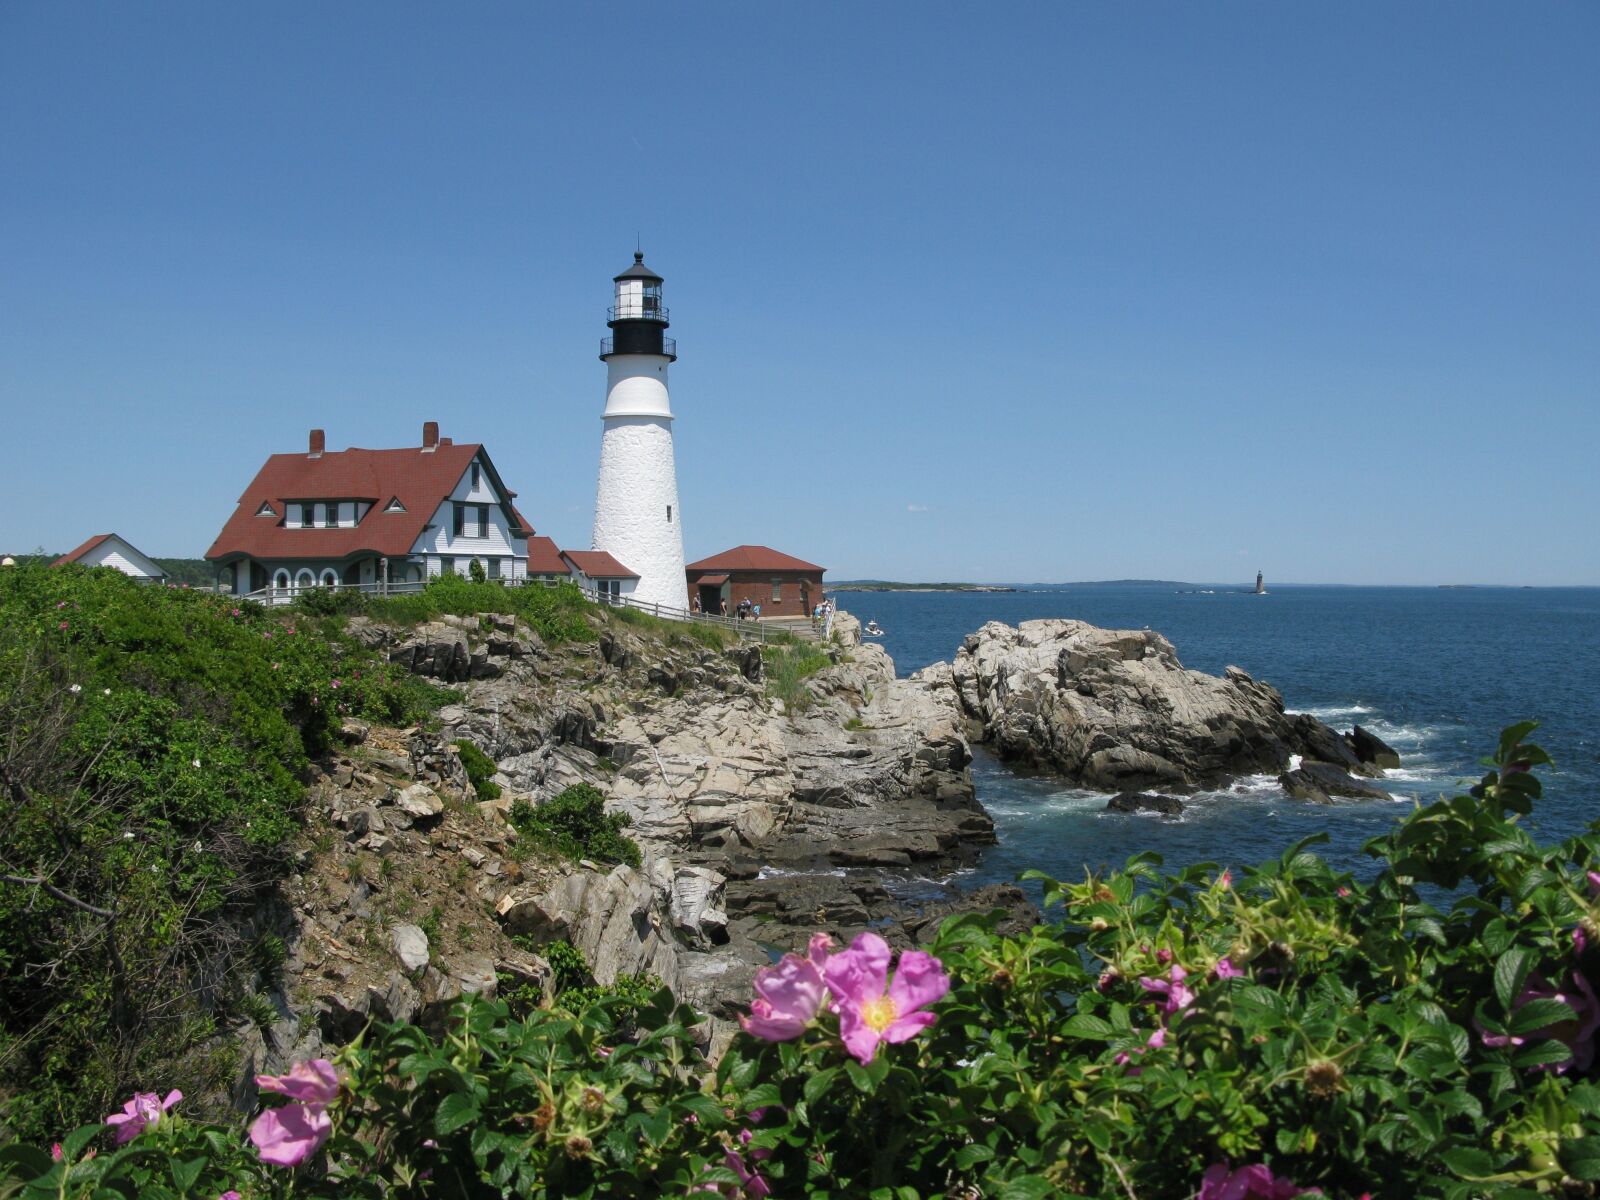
318,443
430,435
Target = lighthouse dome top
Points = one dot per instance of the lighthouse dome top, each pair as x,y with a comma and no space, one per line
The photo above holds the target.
638,270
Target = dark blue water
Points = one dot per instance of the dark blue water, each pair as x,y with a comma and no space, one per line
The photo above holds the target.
1435,672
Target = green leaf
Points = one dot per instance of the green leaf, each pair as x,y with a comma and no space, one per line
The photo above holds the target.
969,1156
185,1173
1468,1162
1581,1157
1539,1014
454,1111
1028,1187
1085,1026
1540,1053
1510,973
859,1076
819,1083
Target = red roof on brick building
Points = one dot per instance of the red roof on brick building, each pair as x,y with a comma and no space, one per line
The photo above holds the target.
420,479
597,564
753,558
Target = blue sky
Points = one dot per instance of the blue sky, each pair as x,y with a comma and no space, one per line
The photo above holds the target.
1036,292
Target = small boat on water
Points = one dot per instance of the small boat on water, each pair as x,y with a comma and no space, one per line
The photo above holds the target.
872,629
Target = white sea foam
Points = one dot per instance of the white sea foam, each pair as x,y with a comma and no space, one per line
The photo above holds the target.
781,873
1333,712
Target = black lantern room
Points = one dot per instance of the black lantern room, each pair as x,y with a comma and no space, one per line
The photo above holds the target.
638,318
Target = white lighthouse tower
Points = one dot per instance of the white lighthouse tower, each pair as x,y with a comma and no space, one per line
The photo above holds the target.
636,517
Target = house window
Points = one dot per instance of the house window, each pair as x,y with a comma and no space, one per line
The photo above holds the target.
395,506
265,510
494,568
669,514
477,474
472,520
777,590
280,581
330,516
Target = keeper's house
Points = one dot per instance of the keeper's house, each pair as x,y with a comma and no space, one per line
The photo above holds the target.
784,586
322,519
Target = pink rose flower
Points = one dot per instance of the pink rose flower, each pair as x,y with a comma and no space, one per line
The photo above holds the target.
314,1082
1178,995
789,996
1155,1041
1226,970
288,1136
1256,1180
140,1113
874,1009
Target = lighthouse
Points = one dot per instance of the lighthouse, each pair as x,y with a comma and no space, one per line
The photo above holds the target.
636,515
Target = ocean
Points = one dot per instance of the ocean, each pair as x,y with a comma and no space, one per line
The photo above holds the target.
1436,672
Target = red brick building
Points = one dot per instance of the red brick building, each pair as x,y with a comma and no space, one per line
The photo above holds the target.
784,586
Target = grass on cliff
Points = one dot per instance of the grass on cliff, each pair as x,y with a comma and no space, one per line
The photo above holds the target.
675,633
152,748
787,667
557,614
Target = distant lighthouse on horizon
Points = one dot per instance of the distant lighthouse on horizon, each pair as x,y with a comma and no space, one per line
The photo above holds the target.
636,515
1261,584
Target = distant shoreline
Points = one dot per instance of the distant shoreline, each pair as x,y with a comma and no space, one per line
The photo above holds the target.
880,585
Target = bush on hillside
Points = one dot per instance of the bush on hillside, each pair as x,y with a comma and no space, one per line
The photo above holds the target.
480,770
154,740
576,824
558,614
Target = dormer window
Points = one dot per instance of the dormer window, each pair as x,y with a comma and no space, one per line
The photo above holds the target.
266,509
395,506
330,516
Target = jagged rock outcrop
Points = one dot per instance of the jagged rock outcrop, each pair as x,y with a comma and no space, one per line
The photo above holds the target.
1114,709
416,890
1135,802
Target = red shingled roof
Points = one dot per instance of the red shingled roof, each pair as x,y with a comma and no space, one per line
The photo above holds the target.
753,558
75,555
544,558
419,479
597,564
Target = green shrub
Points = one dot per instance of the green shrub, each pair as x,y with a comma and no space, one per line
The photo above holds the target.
576,824
480,770
156,742
558,614
787,666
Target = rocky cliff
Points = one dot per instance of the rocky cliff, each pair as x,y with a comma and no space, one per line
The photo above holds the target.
759,821
1114,709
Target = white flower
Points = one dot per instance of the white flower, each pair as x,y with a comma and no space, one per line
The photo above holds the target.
195,764
75,688
108,691
127,837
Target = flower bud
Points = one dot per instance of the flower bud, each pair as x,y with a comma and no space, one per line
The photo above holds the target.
1003,979
593,1100
1099,925
1323,1078
578,1146
544,1116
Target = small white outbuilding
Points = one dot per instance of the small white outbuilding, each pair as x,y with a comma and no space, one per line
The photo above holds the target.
113,550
